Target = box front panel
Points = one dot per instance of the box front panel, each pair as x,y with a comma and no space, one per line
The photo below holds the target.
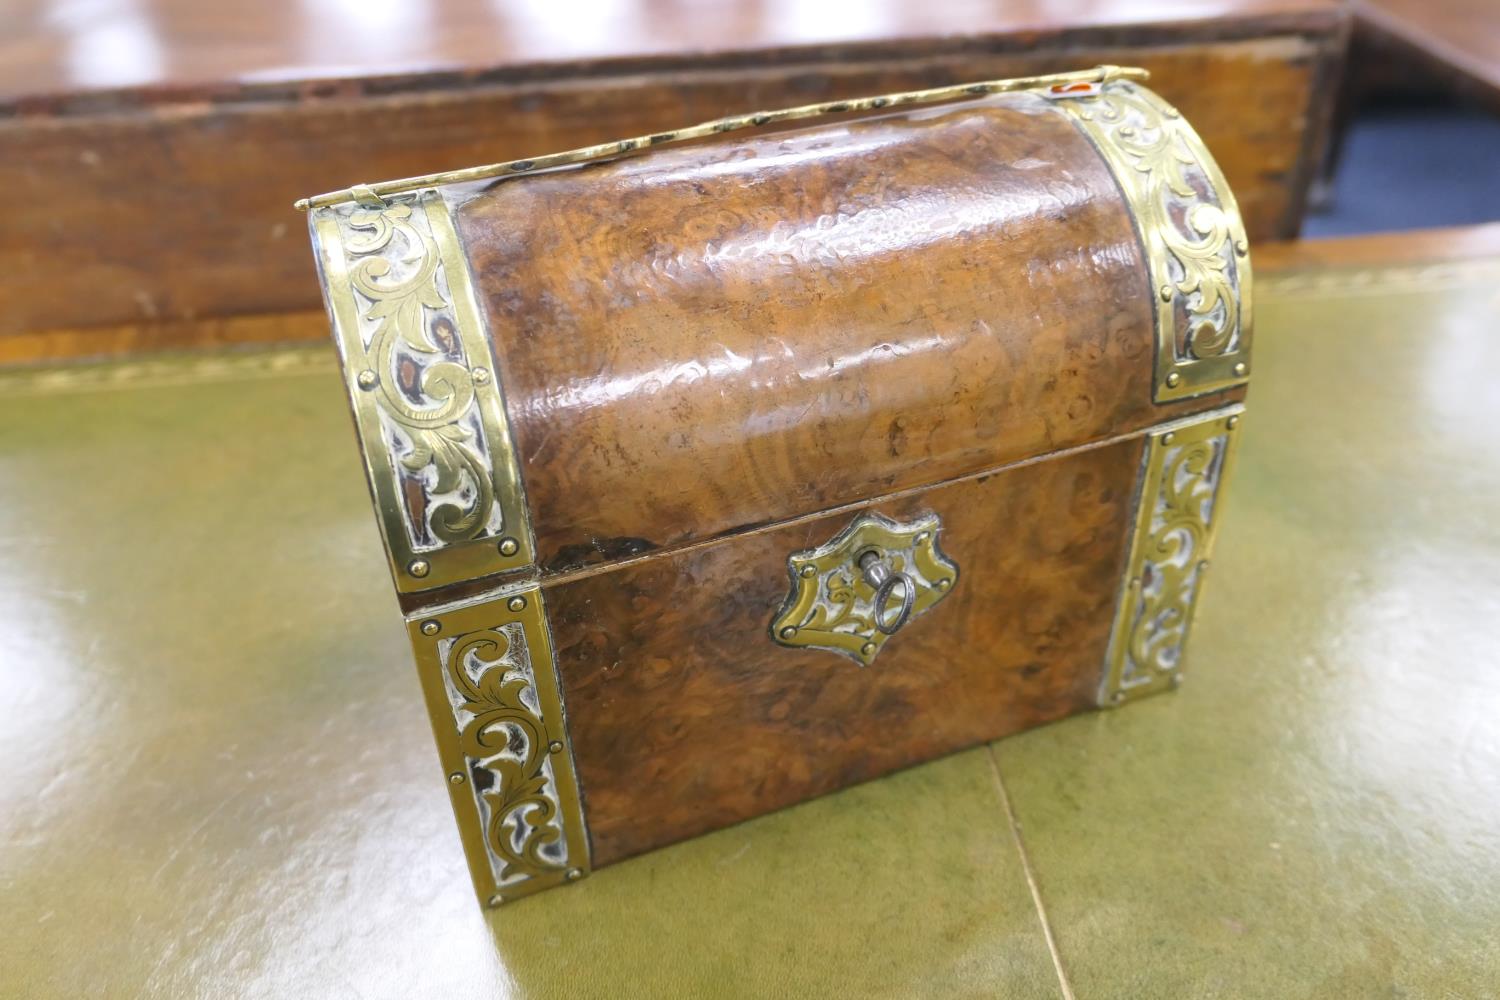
686,715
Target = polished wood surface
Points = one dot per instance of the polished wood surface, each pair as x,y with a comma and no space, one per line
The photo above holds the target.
1457,39
1455,243
54,47
169,203
701,341
685,717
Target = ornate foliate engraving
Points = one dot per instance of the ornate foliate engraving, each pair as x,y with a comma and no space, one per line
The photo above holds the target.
502,734
426,397
1190,227
498,715
854,592
1178,509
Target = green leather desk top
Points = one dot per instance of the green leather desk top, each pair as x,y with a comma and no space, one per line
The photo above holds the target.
218,780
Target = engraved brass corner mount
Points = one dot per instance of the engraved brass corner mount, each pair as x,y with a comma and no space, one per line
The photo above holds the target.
859,589
1190,228
425,391
490,680
1178,512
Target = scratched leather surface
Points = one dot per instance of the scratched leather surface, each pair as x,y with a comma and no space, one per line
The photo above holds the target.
702,340
216,777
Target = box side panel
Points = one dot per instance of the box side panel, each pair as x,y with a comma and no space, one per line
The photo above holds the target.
686,715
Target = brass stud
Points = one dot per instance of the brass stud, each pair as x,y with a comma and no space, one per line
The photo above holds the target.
1173,378
1202,565
495,901
517,603
481,376
1168,437
789,631
418,568
1241,247
574,874
1241,368
1177,680
1135,582
867,648
367,379
509,546
1166,293
1232,422
809,570
456,778
431,627
944,583
1118,697
555,746
921,537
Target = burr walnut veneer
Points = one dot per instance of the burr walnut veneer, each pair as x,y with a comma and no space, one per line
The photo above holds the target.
725,467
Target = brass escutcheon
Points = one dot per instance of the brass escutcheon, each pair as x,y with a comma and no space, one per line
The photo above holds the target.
860,588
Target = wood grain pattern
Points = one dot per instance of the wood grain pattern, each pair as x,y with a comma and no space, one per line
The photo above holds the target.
705,340
685,716
1418,246
1458,40
148,206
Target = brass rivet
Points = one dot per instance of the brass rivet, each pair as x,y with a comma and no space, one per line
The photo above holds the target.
1117,697
789,631
457,778
867,648
921,537
1177,680
574,874
481,376
517,603
431,627
944,583
509,546
809,570
1172,379
1166,293
555,746
1168,437
418,568
1202,565
495,901
367,379
1232,422
1135,581
1241,368
1241,247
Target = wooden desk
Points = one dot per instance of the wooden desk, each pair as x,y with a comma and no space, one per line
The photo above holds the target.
151,158
219,781
1458,41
